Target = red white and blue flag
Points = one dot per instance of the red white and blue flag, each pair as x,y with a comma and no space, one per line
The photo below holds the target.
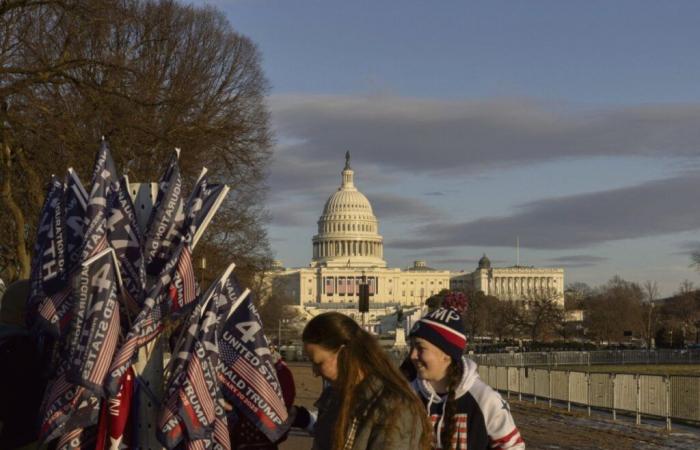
247,373
148,323
97,338
341,285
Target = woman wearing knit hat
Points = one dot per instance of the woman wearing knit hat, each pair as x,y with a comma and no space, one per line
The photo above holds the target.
465,411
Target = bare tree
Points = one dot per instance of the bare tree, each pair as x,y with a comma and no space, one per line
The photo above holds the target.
506,319
615,309
695,259
543,315
148,75
651,294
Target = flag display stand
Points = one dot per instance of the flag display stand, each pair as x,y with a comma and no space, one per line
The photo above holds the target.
149,364
111,275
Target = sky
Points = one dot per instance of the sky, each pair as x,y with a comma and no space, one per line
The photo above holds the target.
571,126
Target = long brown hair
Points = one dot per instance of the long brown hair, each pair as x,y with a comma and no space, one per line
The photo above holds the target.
360,355
454,376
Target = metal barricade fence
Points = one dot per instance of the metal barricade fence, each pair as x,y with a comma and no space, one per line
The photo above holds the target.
674,397
584,358
685,397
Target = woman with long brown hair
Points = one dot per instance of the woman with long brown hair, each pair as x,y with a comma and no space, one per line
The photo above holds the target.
465,412
367,404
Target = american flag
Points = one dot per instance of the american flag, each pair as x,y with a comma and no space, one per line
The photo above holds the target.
62,396
184,288
329,285
247,374
351,286
167,217
170,425
100,330
341,285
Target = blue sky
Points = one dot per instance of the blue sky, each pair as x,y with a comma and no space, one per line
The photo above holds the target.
574,125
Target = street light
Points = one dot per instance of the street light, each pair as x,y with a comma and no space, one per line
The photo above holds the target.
279,330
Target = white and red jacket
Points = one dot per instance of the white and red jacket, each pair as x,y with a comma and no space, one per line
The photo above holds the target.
482,419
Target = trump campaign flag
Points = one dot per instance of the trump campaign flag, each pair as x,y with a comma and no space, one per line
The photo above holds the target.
167,217
191,399
97,338
247,373
125,238
75,206
149,322
104,180
49,287
115,414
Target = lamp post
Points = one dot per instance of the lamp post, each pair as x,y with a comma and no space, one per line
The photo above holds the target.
279,331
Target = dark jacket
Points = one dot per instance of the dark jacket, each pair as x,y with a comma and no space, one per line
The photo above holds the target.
374,429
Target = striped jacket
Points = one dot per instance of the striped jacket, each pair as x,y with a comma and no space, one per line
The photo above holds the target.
483,419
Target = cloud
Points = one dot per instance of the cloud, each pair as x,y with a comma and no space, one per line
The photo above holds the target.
390,206
649,209
439,136
288,217
688,248
578,260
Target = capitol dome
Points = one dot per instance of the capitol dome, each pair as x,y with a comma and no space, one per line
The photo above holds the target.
348,231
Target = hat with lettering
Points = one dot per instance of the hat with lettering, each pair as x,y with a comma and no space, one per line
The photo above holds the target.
443,328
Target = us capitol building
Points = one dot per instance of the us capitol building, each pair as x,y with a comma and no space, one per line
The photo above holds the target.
348,250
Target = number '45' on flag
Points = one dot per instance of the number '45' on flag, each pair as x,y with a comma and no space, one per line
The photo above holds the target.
247,373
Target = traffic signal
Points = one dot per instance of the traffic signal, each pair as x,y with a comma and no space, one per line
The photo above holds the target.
364,298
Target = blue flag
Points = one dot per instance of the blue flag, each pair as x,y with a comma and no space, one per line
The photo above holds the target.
48,273
97,338
125,238
104,181
246,370
166,219
75,205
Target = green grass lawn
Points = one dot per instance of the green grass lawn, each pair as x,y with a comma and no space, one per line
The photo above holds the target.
644,369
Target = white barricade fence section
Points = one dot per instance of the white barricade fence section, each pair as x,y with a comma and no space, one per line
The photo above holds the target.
502,379
685,397
513,379
560,385
484,374
527,381
674,397
541,383
578,388
652,392
625,392
601,390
